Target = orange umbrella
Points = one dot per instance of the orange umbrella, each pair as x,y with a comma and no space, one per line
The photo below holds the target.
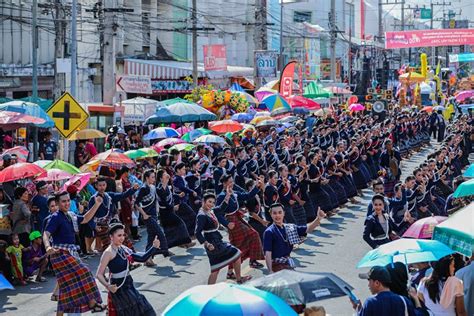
428,109
225,126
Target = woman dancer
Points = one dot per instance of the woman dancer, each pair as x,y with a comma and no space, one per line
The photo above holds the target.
125,299
220,253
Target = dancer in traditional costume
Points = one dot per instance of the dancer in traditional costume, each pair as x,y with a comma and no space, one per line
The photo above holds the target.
78,292
124,300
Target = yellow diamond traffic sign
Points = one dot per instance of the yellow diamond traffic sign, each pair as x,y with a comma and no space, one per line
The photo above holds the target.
67,114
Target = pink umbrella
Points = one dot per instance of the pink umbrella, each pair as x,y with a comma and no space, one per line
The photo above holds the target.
463,95
297,101
20,151
54,175
356,107
423,228
167,142
264,92
9,117
83,177
183,130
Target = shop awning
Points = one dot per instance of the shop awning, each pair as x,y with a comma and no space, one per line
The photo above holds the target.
169,69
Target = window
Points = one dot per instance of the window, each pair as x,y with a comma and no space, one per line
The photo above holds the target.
302,16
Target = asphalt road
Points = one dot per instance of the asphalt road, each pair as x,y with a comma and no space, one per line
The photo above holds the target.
334,247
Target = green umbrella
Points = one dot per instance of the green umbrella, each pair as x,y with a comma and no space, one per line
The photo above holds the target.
62,165
135,154
195,133
149,152
184,146
464,189
469,173
458,231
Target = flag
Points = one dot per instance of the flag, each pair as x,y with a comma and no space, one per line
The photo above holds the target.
286,79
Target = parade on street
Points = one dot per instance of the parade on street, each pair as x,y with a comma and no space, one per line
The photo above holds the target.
254,158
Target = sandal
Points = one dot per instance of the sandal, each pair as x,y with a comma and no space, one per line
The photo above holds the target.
150,264
255,265
231,276
54,297
97,308
42,279
244,279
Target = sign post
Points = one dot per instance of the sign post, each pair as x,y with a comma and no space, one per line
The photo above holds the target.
67,114
134,84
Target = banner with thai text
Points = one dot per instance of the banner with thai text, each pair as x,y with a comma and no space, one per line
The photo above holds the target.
286,79
215,57
429,38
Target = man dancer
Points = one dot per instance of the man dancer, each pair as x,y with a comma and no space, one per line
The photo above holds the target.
78,292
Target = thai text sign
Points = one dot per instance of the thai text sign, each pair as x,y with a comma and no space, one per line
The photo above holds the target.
266,63
134,84
215,57
429,38
459,58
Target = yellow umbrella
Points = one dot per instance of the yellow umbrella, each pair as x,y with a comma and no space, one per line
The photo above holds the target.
91,166
87,134
259,119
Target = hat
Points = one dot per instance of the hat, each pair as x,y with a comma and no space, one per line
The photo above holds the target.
7,157
35,234
41,185
72,189
377,273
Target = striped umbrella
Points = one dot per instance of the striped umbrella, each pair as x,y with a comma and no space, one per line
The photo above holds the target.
161,132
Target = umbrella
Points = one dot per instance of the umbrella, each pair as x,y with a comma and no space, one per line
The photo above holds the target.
91,166
87,133
45,104
464,189
225,126
299,288
259,119
149,152
466,106
14,119
227,299
192,135
322,112
268,123
173,101
21,170
162,115
5,284
135,153
469,173
242,117
458,231
427,109
405,250
28,108
276,104
314,90
301,111
297,101
181,147
250,98
62,165
264,92
183,130
236,87
168,142
210,139
289,119
356,107
113,159
190,112
42,163
20,151
161,132
423,228
82,177
439,108
463,95
54,175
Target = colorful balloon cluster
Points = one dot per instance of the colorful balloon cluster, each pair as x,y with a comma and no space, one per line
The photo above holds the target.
224,103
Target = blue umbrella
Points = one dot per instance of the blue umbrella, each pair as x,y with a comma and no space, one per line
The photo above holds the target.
161,132
405,250
190,112
29,109
242,117
162,115
210,139
4,284
466,106
236,87
301,111
469,173
229,300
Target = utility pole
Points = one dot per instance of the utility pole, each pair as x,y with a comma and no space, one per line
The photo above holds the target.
260,35
34,37
108,75
380,13
59,26
281,59
402,20
194,40
73,47
332,24
349,55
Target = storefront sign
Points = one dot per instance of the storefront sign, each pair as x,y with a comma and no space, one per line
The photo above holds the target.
266,63
459,58
134,84
14,70
422,13
326,69
429,38
215,57
172,86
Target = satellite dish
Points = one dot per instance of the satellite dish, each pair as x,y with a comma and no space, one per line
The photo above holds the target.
378,106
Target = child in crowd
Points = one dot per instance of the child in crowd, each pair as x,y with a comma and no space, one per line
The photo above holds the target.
35,259
15,252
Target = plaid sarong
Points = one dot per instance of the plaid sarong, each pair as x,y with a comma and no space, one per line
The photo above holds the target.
292,234
77,286
245,238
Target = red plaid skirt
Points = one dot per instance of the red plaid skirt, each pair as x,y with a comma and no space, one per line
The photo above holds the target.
245,238
77,285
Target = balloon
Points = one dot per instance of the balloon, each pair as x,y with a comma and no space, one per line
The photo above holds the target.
424,64
220,96
227,96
